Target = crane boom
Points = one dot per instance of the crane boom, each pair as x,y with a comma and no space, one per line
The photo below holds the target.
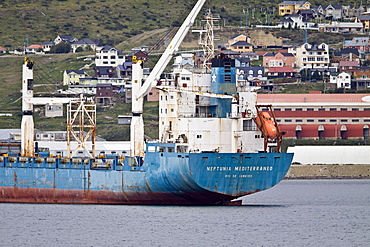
170,50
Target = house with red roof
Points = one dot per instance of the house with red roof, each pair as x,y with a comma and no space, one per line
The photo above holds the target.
321,116
280,72
348,66
278,59
2,49
33,48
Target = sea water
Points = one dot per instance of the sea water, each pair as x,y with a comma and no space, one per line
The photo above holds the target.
293,213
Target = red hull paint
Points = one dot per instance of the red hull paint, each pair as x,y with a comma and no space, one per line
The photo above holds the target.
36,195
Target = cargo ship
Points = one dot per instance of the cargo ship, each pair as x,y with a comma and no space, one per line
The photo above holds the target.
216,143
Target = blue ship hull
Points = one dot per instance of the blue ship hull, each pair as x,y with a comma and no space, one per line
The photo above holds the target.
162,178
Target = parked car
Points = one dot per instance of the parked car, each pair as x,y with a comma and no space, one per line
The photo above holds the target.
87,59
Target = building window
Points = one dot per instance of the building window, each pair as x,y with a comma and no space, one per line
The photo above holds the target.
199,136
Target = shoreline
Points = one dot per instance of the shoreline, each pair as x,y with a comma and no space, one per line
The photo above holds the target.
328,172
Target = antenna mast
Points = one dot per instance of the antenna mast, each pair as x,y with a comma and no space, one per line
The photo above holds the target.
207,38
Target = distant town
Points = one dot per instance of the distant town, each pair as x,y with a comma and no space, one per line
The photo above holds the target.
322,117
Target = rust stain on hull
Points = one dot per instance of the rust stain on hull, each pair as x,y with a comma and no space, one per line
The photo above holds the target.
37,195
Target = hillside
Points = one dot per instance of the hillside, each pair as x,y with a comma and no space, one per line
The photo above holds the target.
115,21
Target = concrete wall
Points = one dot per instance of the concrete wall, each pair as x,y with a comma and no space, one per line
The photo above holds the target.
328,171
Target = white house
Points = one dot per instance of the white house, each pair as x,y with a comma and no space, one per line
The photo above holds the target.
294,21
64,38
343,80
109,56
310,56
33,48
341,27
47,45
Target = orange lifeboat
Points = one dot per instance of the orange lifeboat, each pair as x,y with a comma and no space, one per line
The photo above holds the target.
267,125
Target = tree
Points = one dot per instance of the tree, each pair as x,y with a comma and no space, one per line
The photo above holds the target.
62,47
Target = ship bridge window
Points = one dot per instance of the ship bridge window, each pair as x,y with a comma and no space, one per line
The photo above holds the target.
161,149
199,136
249,125
170,149
227,78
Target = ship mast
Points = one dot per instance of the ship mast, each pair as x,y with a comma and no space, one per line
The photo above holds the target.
207,38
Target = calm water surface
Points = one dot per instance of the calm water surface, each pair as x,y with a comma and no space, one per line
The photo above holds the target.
294,213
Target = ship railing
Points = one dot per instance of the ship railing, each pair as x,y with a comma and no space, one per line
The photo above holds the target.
50,160
12,159
23,160
39,160
102,164
198,115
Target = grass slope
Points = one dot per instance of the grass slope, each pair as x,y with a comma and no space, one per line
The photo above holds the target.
115,21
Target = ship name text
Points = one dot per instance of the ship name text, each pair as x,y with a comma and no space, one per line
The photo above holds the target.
239,168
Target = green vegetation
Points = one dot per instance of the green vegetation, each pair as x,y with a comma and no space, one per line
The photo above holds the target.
115,21
301,87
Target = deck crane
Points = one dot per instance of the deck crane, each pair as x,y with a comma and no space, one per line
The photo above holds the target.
139,90
27,125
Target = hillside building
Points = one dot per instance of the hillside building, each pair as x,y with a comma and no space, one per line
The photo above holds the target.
321,116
